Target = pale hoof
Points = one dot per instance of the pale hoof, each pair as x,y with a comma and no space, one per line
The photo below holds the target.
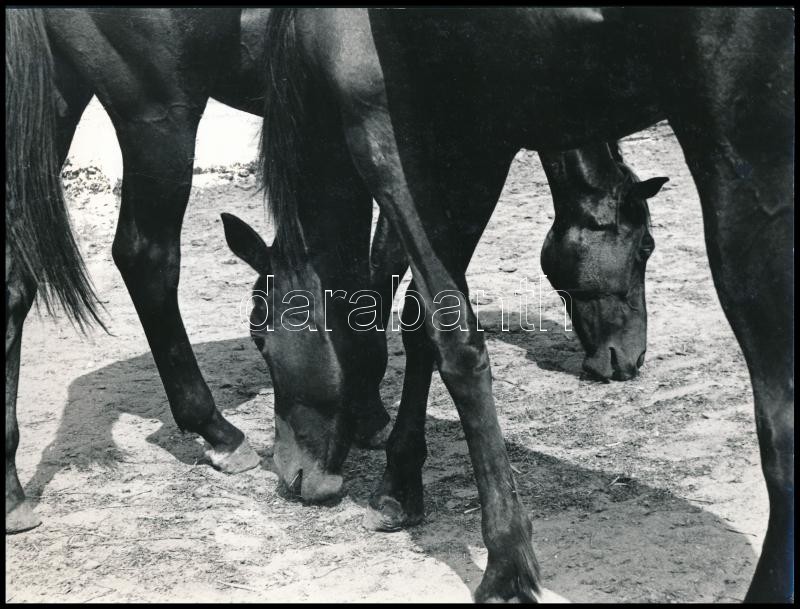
240,460
22,518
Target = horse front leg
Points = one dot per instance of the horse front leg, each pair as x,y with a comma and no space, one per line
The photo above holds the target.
472,187
746,190
741,157
750,250
397,502
512,571
157,178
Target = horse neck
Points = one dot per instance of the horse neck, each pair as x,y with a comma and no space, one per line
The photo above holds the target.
588,175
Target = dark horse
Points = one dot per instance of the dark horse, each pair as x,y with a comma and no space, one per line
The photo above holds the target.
154,72
428,107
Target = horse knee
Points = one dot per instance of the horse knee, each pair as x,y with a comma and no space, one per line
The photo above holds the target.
12,435
460,353
141,255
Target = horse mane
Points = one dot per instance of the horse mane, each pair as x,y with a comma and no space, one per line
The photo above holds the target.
636,205
283,135
39,242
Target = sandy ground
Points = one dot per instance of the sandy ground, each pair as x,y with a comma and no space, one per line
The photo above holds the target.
648,490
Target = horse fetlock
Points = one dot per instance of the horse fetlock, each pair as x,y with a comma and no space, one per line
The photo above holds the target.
389,515
512,575
397,504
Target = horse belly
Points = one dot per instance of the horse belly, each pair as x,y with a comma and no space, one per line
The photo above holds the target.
544,78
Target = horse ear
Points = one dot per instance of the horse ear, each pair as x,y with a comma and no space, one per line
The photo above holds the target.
648,188
246,244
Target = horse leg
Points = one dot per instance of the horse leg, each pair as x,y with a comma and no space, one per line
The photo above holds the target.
749,245
20,294
157,177
742,164
473,190
72,96
512,571
750,252
397,502
387,259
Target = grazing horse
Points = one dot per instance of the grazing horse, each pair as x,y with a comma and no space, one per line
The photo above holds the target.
154,72
591,187
428,107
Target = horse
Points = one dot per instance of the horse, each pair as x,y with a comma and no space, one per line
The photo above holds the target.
154,72
428,107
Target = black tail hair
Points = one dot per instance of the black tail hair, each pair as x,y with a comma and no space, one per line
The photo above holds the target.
283,134
38,232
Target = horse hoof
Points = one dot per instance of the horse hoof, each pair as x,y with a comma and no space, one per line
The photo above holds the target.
21,518
240,460
389,517
377,440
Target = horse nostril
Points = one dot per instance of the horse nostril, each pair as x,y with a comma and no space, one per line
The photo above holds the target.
640,361
614,360
296,485
626,371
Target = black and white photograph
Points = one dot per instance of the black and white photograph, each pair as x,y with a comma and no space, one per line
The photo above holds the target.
399,305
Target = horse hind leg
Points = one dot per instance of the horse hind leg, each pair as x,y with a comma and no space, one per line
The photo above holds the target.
20,294
72,94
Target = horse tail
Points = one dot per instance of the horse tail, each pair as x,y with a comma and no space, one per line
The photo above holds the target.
38,234
283,134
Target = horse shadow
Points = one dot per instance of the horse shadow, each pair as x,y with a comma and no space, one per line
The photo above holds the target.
234,371
595,532
550,346
598,535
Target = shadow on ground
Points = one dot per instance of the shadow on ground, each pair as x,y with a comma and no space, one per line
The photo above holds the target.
597,535
233,369
548,345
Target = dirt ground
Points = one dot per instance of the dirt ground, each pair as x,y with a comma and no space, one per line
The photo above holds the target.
648,490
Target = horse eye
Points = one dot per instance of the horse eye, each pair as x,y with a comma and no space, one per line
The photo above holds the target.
648,245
